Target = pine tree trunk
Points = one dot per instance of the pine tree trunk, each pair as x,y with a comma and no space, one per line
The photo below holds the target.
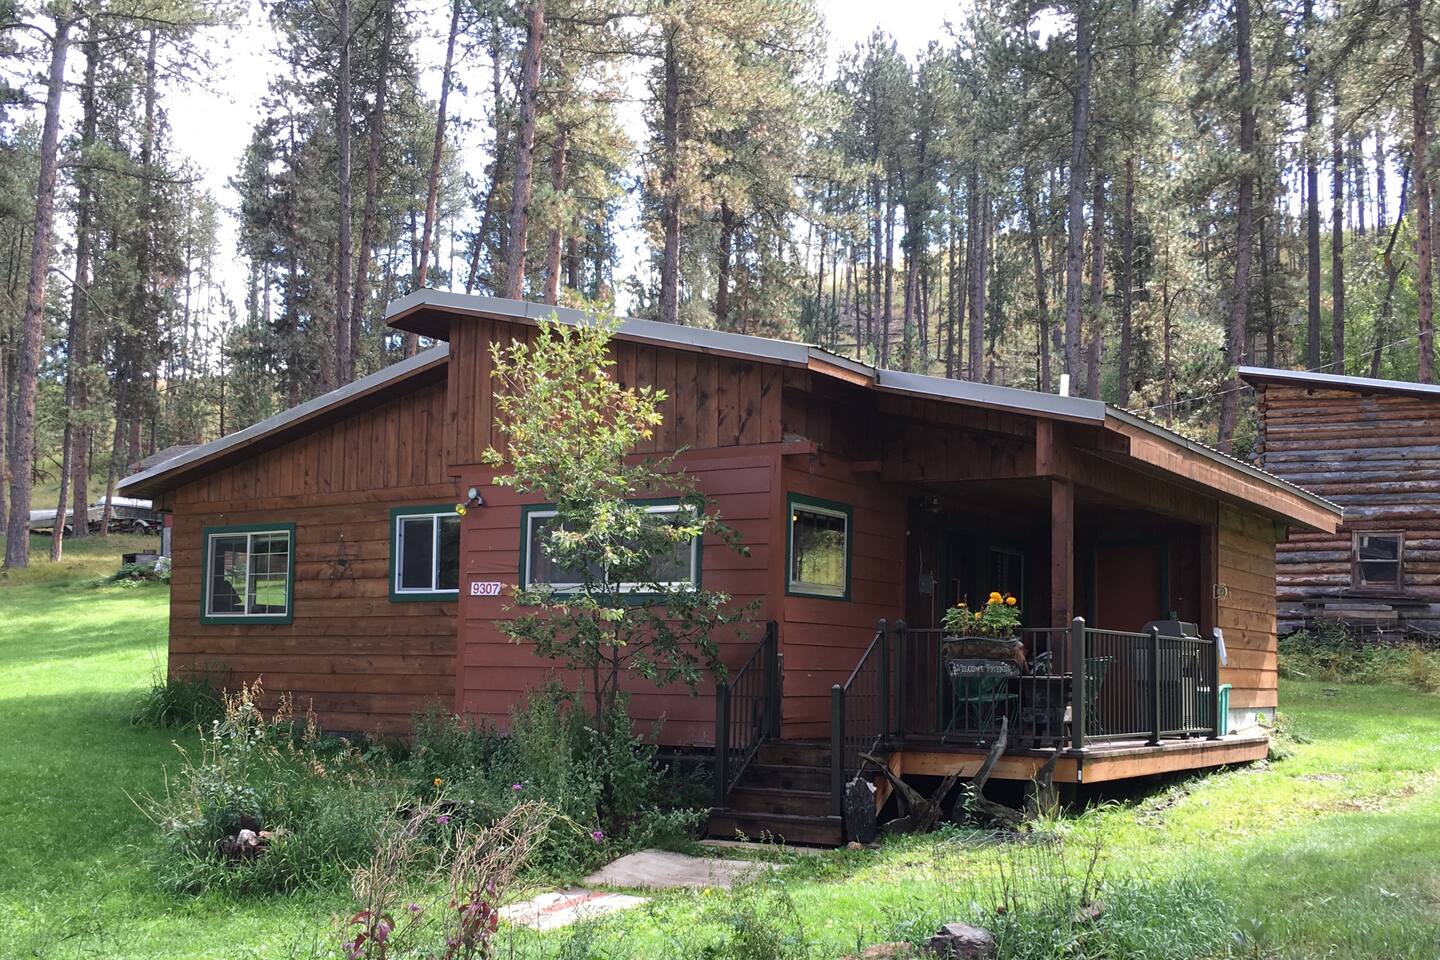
78,444
1337,242
979,256
1392,276
1075,207
1419,150
1358,180
1097,281
1127,281
670,204
344,251
525,152
374,152
1240,292
497,167
1312,196
1380,194
1042,301
32,331
432,193
889,308
557,183
722,285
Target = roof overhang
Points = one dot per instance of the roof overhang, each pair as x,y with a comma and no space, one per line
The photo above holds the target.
362,394
1259,376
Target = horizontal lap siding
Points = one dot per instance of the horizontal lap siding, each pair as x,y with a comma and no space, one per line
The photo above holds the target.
495,674
823,639
1247,611
362,662
1378,456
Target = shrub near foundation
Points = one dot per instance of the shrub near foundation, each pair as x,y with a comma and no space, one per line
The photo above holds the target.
265,804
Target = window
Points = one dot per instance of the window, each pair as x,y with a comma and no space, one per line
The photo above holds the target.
424,553
248,574
679,570
819,560
1379,560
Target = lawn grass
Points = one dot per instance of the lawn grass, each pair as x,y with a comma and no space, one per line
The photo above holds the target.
1334,852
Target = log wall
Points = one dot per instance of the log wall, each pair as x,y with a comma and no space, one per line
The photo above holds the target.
1378,456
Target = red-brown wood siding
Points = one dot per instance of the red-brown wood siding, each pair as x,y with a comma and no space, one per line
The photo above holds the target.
1246,612
363,662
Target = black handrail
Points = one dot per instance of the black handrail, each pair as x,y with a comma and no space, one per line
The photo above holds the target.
747,712
860,715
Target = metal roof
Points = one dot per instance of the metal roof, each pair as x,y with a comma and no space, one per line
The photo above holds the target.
788,352
1336,381
358,388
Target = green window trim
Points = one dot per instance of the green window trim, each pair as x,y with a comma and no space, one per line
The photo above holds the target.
414,595
831,508
530,511
247,530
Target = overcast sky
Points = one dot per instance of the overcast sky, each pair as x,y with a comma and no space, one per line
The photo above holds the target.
211,125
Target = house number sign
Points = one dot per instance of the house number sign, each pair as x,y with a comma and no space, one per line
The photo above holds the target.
485,588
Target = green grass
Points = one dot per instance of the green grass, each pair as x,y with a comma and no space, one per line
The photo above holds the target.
1334,852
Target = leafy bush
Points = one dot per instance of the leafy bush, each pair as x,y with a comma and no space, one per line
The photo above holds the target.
179,701
607,789
1331,653
310,805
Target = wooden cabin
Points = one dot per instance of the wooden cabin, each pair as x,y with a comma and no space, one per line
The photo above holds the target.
321,549
1372,446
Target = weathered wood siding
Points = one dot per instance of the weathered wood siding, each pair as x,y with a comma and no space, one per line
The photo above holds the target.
1378,456
363,662
1246,613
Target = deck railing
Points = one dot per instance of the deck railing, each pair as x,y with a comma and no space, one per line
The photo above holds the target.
860,716
1082,685
747,712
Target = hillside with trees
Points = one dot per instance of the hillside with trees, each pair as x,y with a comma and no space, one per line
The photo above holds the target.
1139,194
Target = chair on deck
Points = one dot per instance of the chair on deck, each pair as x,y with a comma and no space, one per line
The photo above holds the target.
1096,669
977,703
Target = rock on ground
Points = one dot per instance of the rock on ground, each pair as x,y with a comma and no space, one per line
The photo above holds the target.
960,941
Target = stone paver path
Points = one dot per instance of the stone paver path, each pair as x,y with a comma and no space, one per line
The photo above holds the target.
563,907
661,870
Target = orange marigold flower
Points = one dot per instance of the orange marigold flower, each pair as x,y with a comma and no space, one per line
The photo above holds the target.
1010,601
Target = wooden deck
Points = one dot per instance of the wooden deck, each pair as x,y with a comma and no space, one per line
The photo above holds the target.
1097,763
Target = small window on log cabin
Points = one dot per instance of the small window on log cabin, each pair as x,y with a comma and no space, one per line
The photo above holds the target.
1379,560
819,548
424,553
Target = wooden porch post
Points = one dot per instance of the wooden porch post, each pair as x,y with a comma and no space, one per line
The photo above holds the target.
1062,552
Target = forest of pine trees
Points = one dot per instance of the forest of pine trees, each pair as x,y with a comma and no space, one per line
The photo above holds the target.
1139,194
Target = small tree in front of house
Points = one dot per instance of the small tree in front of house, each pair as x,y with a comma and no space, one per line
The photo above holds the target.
619,598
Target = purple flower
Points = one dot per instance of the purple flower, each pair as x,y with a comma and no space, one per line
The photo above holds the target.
414,908
515,787
597,835
442,819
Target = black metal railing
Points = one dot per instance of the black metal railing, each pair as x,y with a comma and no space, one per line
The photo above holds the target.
1120,686
747,712
860,714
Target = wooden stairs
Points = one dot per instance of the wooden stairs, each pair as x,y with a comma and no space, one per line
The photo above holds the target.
783,796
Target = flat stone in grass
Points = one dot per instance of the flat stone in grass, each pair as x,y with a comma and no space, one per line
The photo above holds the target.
563,907
661,870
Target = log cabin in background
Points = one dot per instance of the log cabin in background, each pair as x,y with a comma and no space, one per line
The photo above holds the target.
321,549
1372,446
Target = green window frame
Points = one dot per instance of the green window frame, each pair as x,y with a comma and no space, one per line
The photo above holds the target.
408,522
257,578
532,513
827,511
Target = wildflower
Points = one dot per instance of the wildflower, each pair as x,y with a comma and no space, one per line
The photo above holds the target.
414,908
515,787
442,819
598,836
438,781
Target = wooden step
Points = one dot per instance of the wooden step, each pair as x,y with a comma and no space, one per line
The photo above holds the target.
776,776
777,828
796,753
807,803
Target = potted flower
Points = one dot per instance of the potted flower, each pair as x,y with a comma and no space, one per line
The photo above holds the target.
991,632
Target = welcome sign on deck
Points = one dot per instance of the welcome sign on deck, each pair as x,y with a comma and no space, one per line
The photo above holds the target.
982,668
